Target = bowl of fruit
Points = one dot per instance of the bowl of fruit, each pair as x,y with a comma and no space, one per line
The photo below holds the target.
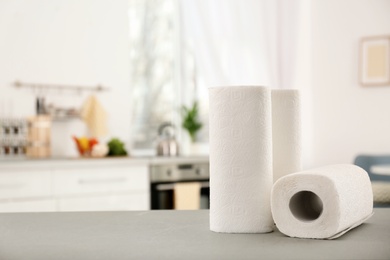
90,147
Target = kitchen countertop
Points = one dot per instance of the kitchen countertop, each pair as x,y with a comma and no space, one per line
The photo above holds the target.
172,235
107,161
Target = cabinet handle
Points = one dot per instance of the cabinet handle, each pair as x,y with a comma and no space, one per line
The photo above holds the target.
101,181
169,186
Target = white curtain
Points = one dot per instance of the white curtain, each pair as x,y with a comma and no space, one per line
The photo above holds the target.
248,42
243,42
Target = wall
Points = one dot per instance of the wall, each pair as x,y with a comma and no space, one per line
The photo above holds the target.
348,119
66,42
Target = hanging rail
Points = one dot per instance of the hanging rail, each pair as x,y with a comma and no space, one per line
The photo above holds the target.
97,88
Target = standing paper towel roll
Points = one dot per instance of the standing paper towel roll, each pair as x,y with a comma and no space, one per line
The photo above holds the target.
240,159
286,132
322,203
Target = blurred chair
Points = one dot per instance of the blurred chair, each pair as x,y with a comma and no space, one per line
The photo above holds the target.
380,182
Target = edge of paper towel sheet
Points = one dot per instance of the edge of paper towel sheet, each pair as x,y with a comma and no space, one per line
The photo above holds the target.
349,228
360,222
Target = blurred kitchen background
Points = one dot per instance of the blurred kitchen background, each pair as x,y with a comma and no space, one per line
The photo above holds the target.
104,104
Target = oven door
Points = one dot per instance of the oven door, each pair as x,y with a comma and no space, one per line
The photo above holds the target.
162,195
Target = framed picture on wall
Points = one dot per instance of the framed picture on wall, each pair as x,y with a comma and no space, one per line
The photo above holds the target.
375,61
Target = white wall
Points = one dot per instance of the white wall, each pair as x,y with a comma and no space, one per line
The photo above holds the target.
66,42
348,119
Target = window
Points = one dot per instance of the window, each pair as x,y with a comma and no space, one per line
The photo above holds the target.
231,44
153,65
163,75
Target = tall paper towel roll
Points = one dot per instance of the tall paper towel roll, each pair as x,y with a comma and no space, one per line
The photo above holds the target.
286,132
322,203
240,159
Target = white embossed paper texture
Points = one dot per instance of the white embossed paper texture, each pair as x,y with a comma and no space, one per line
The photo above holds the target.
240,159
344,201
286,132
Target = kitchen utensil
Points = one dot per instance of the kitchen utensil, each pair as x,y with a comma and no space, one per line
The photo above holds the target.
167,145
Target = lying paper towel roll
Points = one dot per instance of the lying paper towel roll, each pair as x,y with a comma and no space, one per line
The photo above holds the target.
322,203
286,132
240,159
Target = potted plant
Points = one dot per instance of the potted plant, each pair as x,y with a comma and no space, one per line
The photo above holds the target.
191,121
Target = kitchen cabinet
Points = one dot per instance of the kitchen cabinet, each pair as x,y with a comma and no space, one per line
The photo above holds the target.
101,180
19,184
34,205
95,185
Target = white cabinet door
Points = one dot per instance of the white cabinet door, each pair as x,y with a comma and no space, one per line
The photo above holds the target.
106,203
87,188
46,205
101,180
27,183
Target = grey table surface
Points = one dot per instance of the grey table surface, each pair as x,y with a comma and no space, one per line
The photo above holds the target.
172,235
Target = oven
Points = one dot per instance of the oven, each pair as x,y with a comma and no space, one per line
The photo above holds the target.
166,177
